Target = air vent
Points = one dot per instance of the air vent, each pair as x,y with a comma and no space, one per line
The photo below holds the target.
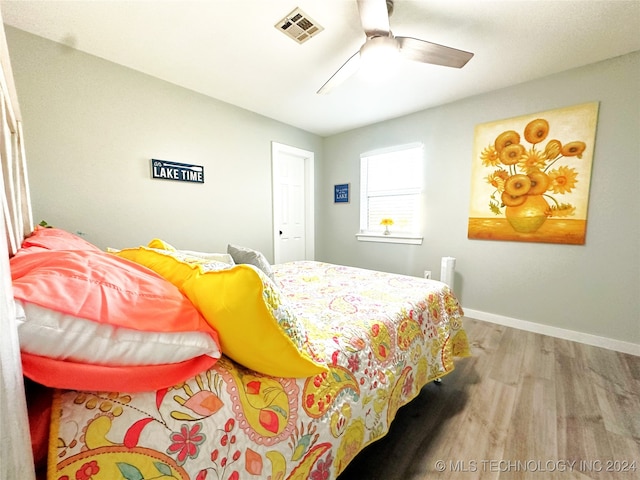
299,26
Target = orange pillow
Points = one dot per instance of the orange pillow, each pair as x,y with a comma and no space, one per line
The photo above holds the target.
106,378
64,294
56,239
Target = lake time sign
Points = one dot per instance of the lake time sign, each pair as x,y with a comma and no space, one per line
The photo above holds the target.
341,193
181,172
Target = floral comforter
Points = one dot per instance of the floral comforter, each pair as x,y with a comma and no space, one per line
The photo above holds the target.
383,336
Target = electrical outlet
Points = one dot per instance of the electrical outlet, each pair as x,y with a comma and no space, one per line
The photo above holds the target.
427,274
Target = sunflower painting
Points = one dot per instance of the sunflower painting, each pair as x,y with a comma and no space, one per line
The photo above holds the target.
530,176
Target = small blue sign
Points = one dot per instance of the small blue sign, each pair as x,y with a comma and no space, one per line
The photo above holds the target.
341,193
181,172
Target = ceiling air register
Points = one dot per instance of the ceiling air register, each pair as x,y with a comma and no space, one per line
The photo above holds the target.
299,26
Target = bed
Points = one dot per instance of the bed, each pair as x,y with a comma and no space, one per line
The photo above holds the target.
288,374
360,343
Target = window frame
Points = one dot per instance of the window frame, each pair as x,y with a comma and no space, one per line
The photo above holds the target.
408,237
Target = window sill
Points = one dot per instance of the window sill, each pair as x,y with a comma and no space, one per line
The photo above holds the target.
406,238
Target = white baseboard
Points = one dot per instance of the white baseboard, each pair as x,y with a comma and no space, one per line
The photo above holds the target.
586,338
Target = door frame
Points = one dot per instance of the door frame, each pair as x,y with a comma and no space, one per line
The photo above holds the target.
309,199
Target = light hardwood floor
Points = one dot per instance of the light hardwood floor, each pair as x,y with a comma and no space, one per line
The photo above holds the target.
524,406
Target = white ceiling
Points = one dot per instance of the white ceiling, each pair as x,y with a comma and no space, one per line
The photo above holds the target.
230,49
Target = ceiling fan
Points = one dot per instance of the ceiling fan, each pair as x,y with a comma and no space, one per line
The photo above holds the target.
374,16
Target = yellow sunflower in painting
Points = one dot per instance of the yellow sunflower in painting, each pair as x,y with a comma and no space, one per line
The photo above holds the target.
536,131
562,210
490,157
497,178
563,179
532,160
573,149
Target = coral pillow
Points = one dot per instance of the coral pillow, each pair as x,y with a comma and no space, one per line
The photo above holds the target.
255,326
56,239
95,321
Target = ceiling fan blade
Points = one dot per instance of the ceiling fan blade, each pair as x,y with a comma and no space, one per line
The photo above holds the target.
374,18
427,52
345,71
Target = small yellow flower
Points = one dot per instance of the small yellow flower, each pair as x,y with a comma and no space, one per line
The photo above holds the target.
563,210
386,222
497,178
490,157
563,180
532,160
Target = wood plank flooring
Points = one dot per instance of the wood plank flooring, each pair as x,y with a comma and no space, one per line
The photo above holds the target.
524,406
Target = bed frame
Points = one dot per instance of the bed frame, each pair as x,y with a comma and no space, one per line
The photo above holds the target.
16,458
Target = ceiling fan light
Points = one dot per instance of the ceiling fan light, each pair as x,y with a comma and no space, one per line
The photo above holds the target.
379,52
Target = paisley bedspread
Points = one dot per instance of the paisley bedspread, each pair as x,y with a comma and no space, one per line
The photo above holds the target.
383,336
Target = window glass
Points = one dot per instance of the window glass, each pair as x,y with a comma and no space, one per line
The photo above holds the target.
391,187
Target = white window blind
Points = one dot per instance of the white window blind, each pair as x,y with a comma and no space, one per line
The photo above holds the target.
391,187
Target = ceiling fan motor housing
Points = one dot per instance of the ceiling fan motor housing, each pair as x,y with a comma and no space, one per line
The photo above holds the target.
379,49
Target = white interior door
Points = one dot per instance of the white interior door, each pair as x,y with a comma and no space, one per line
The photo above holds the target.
292,173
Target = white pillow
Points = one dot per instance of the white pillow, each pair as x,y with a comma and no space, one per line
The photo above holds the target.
57,335
216,257
250,256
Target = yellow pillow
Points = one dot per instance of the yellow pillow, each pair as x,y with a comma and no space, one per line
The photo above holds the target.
161,245
255,327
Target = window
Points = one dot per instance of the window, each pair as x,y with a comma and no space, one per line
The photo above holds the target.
391,187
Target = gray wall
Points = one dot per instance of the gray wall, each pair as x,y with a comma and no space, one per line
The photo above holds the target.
91,128
593,288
